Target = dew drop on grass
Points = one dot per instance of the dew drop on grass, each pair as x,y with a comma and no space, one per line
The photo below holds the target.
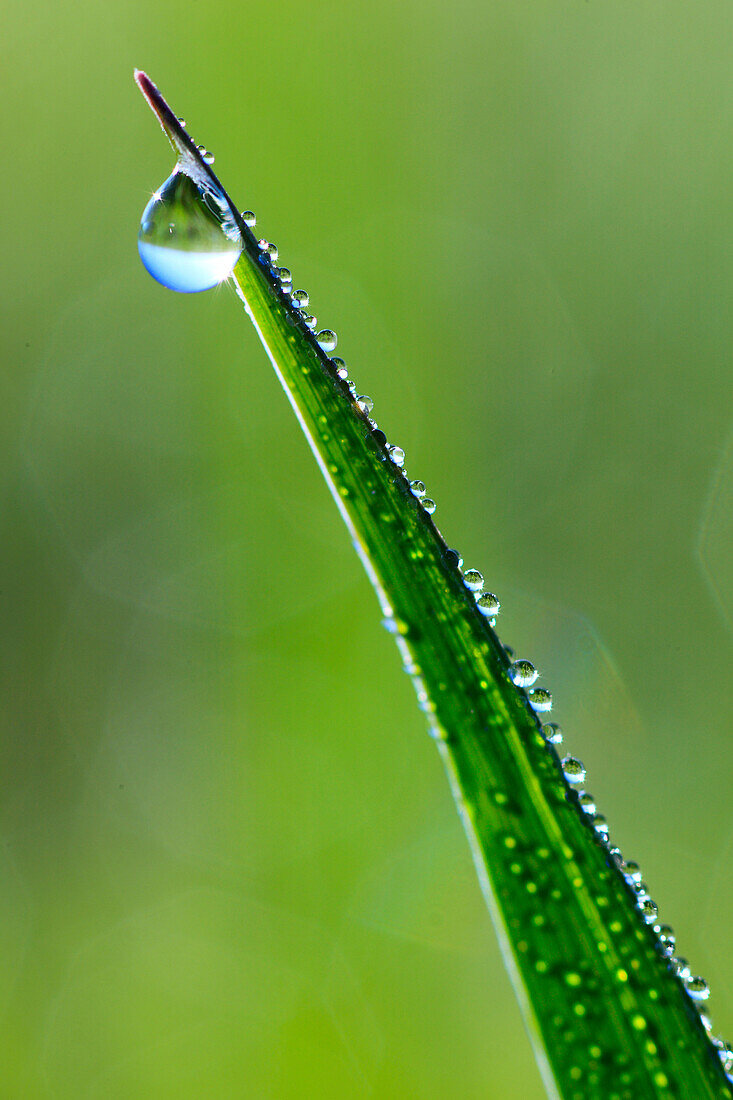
666,939
632,871
488,604
697,988
523,673
338,364
587,803
473,580
397,455
327,340
540,700
188,239
249,219
429,505
573,770
553,733
365,404
417,488
300,299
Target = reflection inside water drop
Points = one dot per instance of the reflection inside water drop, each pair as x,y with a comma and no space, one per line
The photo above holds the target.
188,239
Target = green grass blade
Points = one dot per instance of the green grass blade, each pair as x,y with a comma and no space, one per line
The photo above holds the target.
608,1015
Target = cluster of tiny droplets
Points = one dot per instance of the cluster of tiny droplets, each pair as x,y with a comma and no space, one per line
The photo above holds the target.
522,673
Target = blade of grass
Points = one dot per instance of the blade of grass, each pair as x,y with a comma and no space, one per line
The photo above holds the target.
608,1014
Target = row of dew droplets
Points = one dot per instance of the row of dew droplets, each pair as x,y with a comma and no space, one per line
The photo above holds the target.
521,672
190,242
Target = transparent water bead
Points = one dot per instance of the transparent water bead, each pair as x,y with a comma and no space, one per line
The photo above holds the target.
338,364
666,939
540,700
553,733
725,1053
429,505
249,219
188,239
327,340
285,277
268,250
587,803
697,988
365,404
473,580
417,488
600,827
397,455
300,299
632,871
488,604
309,322
573,770
523,673
681,968
648,910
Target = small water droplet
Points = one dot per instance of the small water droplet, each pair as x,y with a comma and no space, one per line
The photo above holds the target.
417,488
268,250
300,299
327,340
523,673
339,365
632,871
488,604
397,455
284,276
725,1053
553,733
697,988
452,557
188,239
587,803
309,322
351,388
473,580
573,770
681,968
365,404
540,699
648,910
429,505
249,219
182,122
666,939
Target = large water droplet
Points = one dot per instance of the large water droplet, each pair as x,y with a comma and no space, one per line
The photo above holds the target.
473,580
249,218
523,673
188,238
417,488
540,700
697,988
573,770
300,298
488,604
397,455
429,505
327,339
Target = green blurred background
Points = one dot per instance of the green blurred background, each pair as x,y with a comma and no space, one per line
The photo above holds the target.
231,866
